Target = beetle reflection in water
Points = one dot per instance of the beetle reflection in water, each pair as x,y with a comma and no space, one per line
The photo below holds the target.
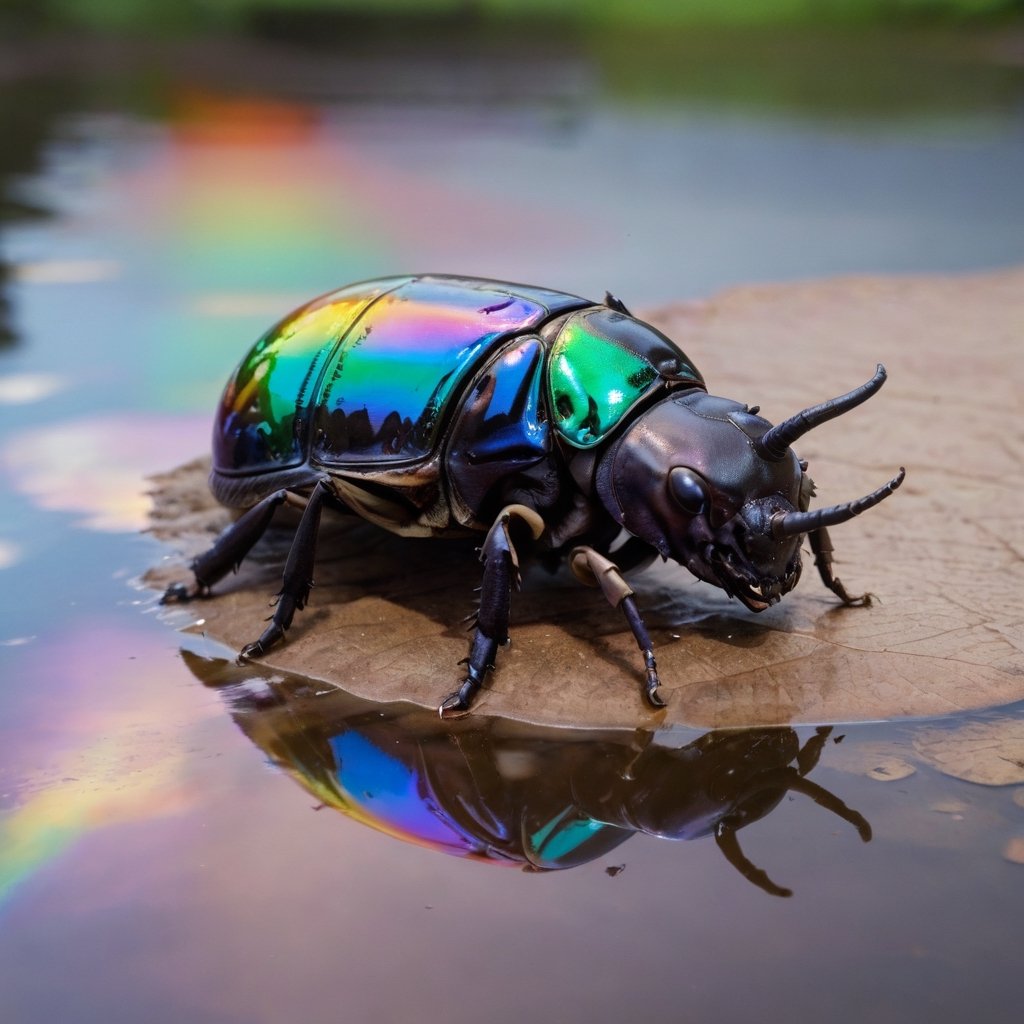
504,792
432,405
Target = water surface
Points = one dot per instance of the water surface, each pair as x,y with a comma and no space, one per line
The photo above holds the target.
171,845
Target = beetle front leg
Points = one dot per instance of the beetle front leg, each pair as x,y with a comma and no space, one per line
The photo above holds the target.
821,545
298,576
501,574
594,570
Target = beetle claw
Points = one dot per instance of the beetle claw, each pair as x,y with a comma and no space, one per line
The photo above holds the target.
453,706
180,593
652,683
456,704
270,636
651,692
654,698
253,650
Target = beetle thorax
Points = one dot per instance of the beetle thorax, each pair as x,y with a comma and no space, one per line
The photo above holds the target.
688,478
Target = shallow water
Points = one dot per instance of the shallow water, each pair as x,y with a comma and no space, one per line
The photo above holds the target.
157,859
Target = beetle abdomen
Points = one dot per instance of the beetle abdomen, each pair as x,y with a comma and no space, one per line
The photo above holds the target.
263,418
396,375
367,374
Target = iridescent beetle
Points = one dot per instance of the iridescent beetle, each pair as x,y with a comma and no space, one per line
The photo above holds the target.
433,405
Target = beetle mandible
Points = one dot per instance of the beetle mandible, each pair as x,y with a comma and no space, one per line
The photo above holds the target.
432,405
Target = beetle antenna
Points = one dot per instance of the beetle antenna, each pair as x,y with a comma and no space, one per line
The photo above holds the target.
789,524
775,441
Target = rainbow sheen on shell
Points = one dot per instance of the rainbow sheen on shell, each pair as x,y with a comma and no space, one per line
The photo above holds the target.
602,364
366,374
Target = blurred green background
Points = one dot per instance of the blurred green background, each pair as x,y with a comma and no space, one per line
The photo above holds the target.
847,57
205,14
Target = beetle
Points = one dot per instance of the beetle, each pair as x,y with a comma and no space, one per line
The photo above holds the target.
433,405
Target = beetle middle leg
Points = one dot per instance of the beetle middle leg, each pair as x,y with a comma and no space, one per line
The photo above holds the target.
821,545
594,570
501,574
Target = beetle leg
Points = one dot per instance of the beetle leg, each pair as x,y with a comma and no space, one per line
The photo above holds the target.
595,570
501,574
229,550
823,798
821,545
298,576
634,554
725,837
810,752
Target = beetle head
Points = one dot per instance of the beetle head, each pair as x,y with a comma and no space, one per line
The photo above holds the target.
709,483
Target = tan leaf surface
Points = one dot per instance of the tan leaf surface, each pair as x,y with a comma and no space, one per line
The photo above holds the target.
990,753
944,555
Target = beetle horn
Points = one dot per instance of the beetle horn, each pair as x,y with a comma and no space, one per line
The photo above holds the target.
777,439
789,524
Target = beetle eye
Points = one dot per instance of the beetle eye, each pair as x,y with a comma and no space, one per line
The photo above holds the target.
689,490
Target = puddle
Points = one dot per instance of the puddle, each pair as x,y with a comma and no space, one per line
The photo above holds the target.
513,794
181,839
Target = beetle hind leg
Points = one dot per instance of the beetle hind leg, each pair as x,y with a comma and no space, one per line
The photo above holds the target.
297,580
229,550
501,575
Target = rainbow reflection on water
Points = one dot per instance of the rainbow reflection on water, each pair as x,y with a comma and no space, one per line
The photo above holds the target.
111,744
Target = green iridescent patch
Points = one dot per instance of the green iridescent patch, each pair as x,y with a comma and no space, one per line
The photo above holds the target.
593,382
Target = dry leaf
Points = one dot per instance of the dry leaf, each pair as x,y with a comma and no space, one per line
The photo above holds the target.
944,555
1014,850
991,753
